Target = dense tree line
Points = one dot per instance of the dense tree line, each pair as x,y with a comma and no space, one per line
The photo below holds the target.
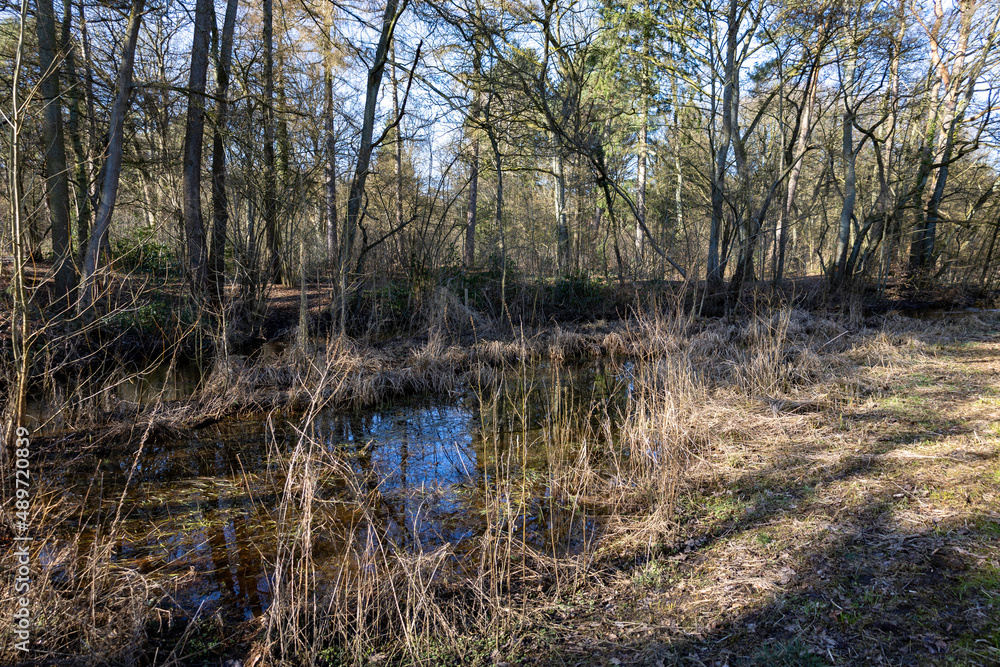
731,141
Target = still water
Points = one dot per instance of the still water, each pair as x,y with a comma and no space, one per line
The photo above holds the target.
202,512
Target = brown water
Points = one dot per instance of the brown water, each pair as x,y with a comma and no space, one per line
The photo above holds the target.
202,511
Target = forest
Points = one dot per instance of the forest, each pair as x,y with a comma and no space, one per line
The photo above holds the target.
496,332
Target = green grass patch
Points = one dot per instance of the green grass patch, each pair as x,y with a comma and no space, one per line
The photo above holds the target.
787,654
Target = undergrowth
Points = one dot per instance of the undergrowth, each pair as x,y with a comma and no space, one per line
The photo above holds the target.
636,507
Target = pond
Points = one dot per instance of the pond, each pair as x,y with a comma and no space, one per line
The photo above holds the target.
204,512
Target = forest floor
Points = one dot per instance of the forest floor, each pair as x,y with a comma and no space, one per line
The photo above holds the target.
851,519
857,525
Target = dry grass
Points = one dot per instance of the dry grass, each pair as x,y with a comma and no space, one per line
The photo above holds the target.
88,608
842,508
782,490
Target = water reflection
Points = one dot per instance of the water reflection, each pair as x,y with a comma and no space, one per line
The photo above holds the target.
71,401
204,510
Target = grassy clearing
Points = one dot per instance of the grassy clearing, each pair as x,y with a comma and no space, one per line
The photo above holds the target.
850,518
784,491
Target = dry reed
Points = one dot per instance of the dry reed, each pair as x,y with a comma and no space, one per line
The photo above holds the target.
609,484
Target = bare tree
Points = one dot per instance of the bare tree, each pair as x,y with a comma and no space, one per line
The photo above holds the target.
270,169
390,18
220,199
952,75
57,181
330,140
113,163
19,317
194,133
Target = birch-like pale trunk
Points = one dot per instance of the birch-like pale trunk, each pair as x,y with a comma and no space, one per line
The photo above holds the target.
113,162
357,190
397,152
220,198
952,116
640,193
469,259
714,268
19,331
330,143
802,141
559,199
850,178
679,183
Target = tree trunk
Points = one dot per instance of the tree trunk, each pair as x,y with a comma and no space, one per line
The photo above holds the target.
805,133
850,179
194,133
283,174
19,321
498,210
398,147
81,172
220,199
952,116
562,232
303,337
330,171
470,219
714,272
95,148
640,195
270,185
929,149
469,260
357,189
331,193
56,182
113,163
679,185
891,109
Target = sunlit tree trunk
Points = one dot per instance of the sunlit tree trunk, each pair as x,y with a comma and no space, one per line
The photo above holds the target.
469,259
849,156
714,271
357,189
220,199
283,172
19,314
559,197
679,175
330,143
498,209
640,194
113,162
397,152
922,254
470,218
802,142
95,147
